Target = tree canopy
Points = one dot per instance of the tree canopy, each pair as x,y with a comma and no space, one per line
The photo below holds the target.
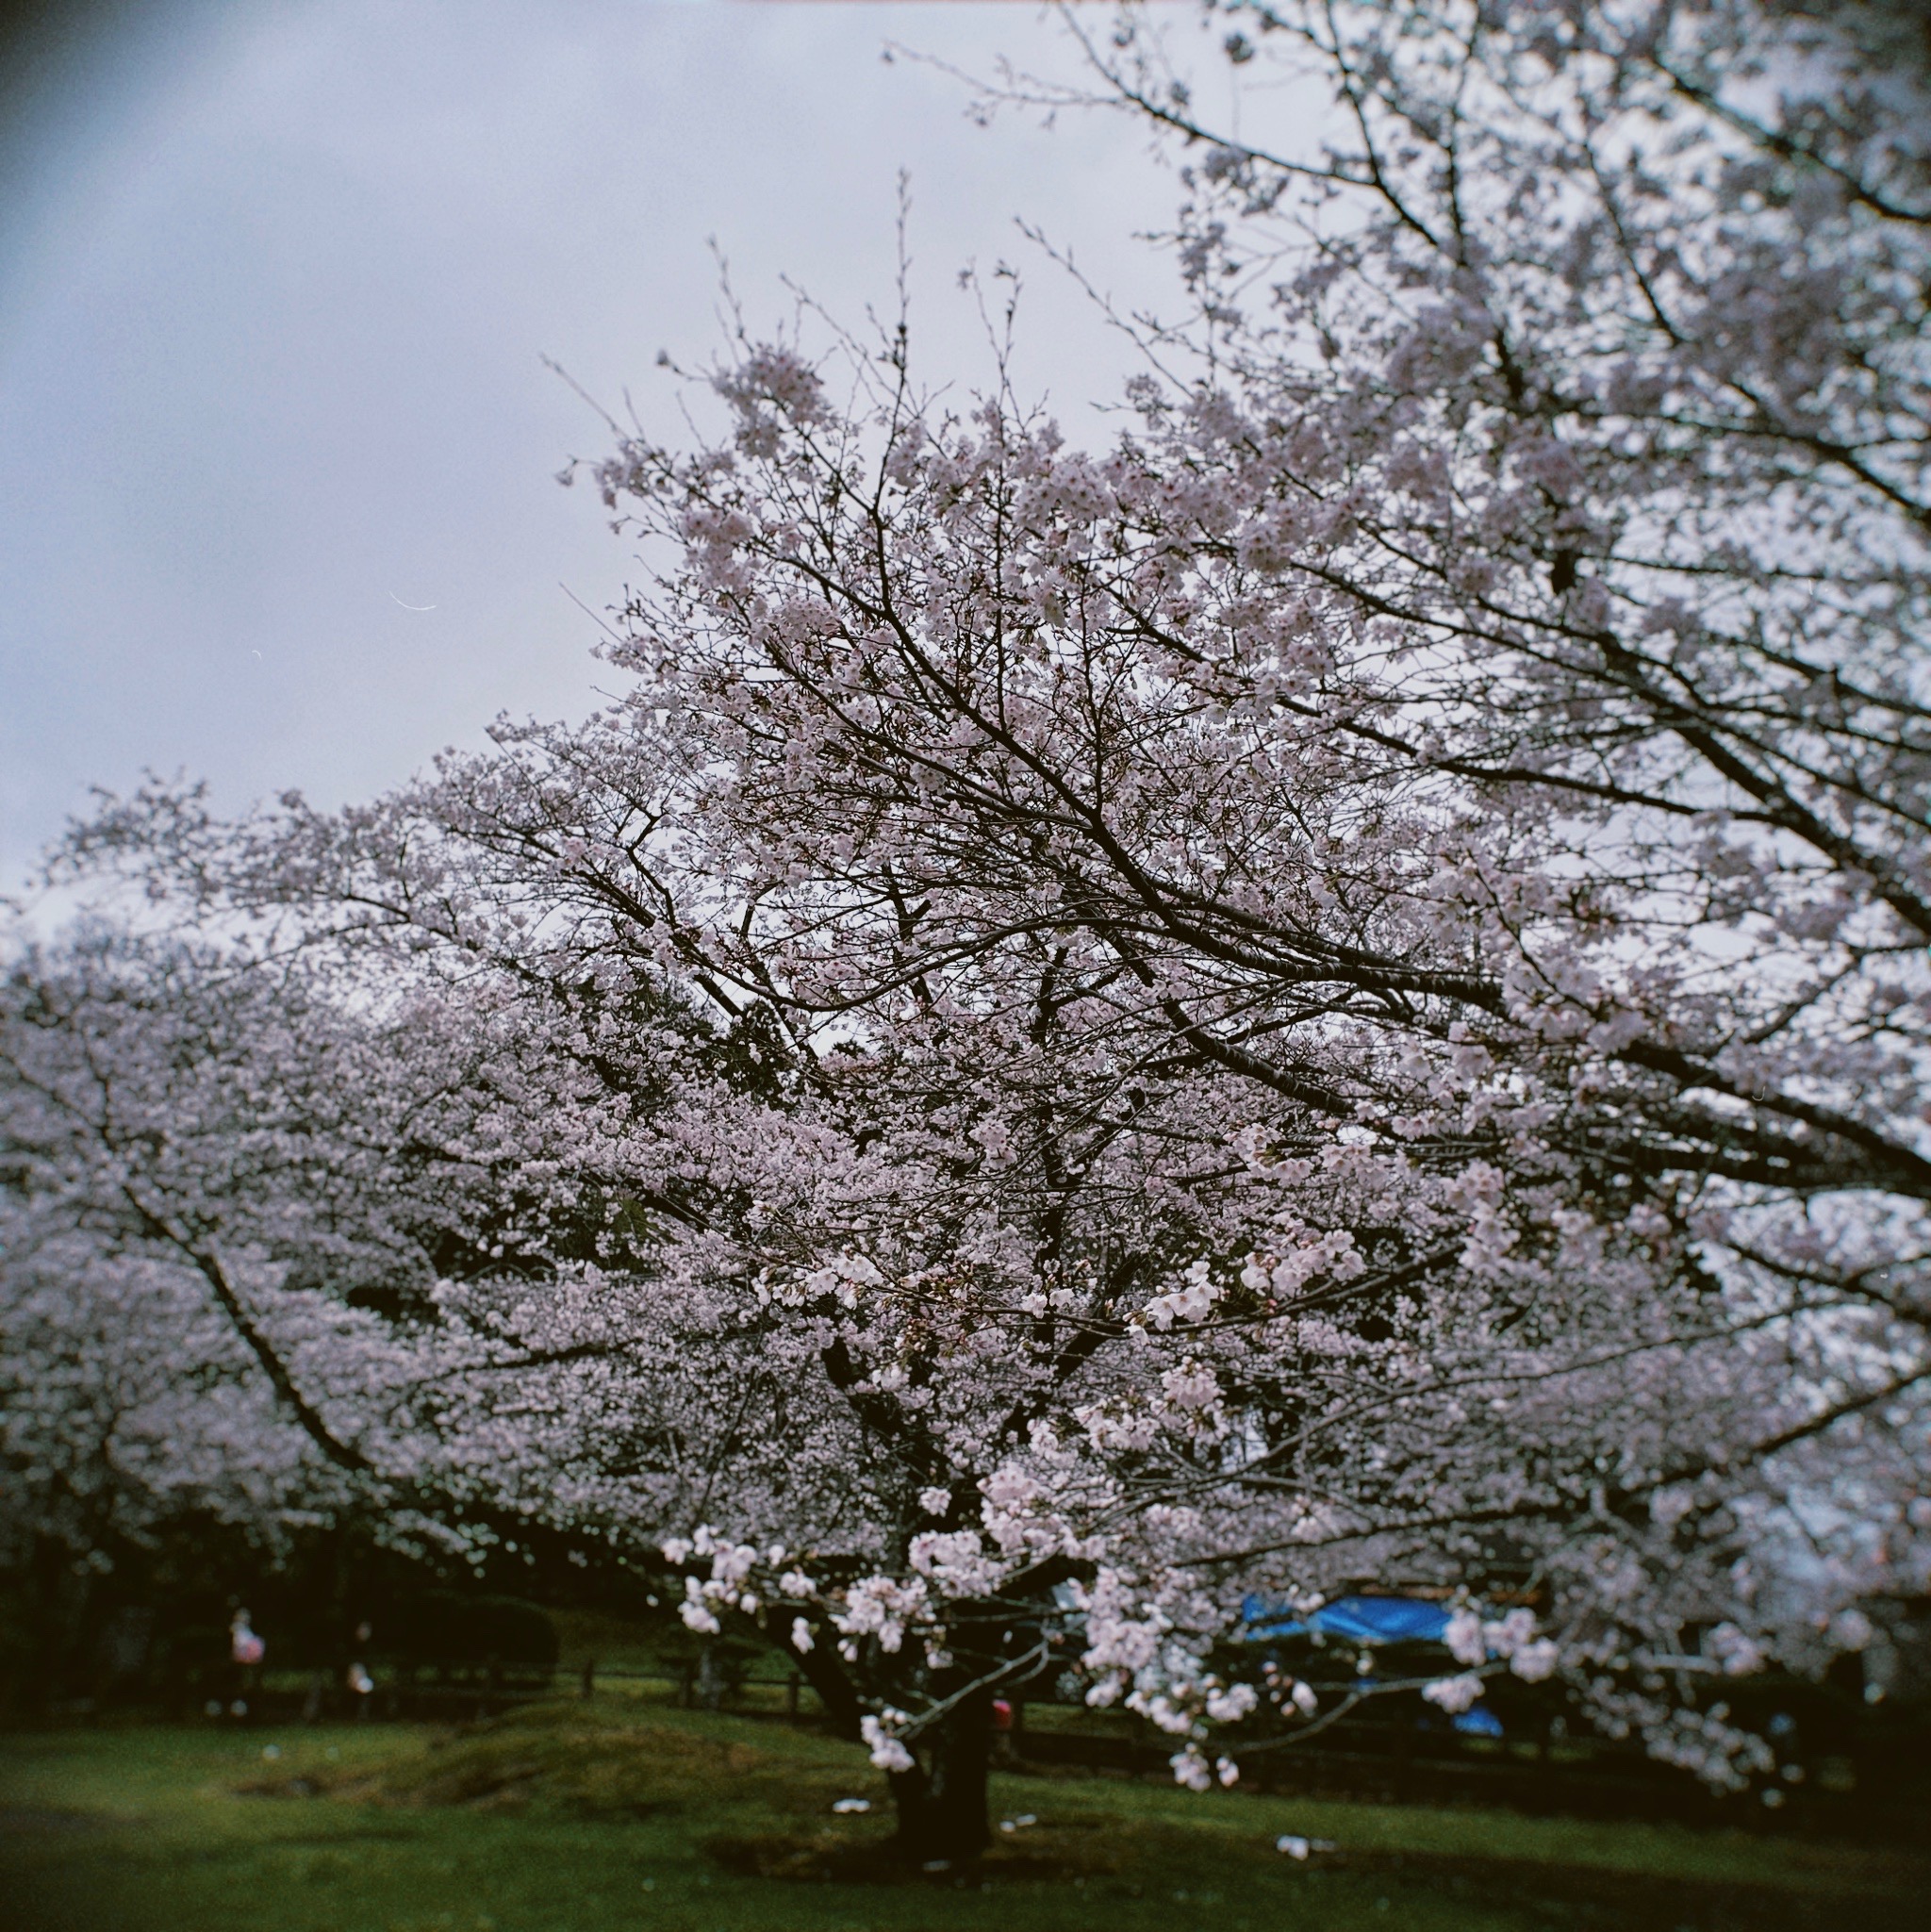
1331,990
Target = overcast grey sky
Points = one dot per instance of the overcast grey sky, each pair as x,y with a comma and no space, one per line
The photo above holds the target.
274,284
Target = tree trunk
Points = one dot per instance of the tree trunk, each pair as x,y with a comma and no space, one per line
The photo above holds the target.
941,1801
821,1669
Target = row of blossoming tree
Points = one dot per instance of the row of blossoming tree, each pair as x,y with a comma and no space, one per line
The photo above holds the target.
1096,1034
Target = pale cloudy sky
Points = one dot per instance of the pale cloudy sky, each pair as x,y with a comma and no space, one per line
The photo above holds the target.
275,281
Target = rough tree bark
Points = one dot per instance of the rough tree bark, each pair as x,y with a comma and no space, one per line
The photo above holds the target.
941,1802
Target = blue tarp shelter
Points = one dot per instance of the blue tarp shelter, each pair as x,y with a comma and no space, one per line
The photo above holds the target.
1353,1619
1367,1620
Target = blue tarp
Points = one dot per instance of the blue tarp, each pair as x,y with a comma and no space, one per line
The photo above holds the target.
1368,1620
1354,1619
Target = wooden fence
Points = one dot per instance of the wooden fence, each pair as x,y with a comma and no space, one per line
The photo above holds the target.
1385,1756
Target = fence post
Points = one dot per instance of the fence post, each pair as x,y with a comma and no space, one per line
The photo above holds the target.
791,1684
711,1682
589,1689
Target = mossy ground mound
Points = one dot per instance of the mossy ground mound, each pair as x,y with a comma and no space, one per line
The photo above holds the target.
591,1764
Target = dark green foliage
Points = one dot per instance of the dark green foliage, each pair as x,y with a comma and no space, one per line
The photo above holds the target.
428,1627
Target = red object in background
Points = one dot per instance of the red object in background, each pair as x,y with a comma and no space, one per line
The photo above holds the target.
1001,1714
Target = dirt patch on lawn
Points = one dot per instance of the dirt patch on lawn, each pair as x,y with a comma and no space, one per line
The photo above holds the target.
40,1821
1045,1855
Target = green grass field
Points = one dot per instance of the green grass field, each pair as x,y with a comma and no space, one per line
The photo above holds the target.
578,1817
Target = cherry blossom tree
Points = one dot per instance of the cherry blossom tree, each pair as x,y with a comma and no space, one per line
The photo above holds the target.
282,1240
1339,979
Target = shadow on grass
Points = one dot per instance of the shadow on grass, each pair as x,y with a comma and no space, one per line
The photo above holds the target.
1113,1862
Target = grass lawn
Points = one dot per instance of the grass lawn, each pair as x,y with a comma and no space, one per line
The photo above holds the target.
579,1818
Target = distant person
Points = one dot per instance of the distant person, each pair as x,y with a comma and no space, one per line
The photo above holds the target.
245,1651
1003,1725
247,1648
361,1687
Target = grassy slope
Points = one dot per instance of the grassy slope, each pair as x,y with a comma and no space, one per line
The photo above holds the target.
580,1818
